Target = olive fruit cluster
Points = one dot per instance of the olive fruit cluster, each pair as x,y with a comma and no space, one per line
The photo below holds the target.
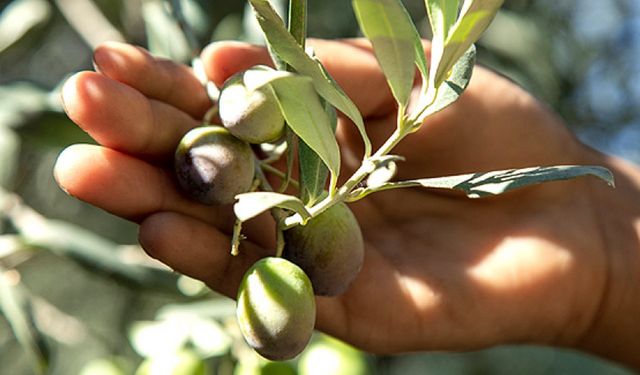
276,310
276,303
214,164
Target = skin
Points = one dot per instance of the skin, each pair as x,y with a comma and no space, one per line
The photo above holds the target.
556,264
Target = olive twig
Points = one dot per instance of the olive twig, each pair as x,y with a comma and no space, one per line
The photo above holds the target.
236,238
368,165
278,173
277,213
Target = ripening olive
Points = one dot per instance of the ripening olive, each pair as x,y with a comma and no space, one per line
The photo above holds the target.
212,166
251,115
329,248
276,308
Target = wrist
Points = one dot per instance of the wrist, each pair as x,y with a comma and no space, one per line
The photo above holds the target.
615,332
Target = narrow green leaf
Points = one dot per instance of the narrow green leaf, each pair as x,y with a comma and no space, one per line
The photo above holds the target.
475,17
15,305
285,46
313,173
393,35
84,246
306,116
33,15
477,185
455,84
250,205
292,142
9,154
442,16
164,36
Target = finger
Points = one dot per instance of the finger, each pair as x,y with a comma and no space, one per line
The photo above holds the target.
156,78
197,249
354,67
119,117
125,186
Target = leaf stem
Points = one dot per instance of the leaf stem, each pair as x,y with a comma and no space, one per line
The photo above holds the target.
278,173
298,20
368,165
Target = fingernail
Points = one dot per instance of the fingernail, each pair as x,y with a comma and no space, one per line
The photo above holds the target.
108,57
101,58
68,92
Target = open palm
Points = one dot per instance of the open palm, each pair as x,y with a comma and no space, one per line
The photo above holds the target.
441,271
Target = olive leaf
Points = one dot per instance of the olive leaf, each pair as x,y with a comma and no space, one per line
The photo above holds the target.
477,185
302,109
287,49
305,115
395,41
84,247
164,36
250,205
313,173
475,17
442,16
452,88
15,305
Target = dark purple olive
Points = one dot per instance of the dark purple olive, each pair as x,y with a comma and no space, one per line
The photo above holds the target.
213,166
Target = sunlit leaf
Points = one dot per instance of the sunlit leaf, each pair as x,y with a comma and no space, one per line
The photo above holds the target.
306,116
214,308
442,16
20,17
456,83
475,17
393,35
104,366
477,185
313,173
285,46
164,37
250,205
156,338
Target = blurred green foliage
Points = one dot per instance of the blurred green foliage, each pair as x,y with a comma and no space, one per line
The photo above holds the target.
78,296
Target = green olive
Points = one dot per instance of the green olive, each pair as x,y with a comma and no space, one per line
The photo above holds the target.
276,308
251,115
213,166
329,248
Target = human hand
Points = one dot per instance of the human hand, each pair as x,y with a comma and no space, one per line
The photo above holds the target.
441,271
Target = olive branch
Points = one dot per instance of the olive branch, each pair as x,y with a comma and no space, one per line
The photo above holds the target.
456,26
